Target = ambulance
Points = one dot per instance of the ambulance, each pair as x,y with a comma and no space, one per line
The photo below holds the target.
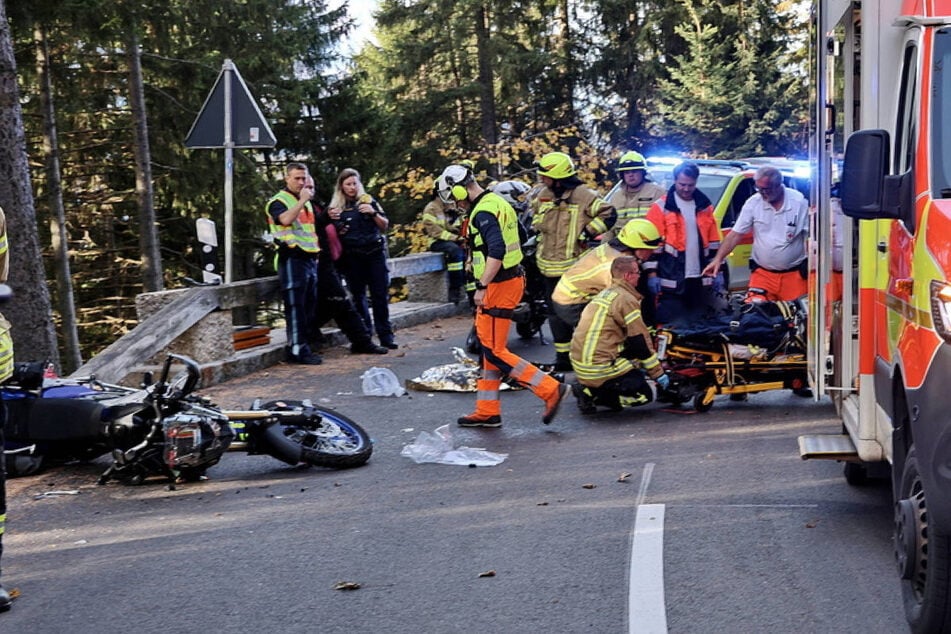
880,338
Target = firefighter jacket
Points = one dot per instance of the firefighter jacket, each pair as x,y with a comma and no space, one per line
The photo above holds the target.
631,205
301,234
669,260
587,277
566,224
612,317
507,222
440,222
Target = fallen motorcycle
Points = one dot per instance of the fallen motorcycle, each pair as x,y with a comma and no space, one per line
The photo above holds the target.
186,434
55,421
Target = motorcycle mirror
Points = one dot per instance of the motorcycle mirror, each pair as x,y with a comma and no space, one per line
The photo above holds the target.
147,379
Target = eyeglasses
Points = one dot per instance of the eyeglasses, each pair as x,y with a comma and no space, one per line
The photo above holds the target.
768,188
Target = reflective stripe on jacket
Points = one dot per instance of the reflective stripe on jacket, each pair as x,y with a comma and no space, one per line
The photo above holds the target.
301,233
561,222
606,323
669,260
587,277
437,224
631,205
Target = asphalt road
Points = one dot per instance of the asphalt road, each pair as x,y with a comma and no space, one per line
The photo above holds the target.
752,539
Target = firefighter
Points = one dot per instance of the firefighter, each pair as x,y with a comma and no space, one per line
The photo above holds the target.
591,274
500,282
778,216
567,217
684,218
636,193
612,347
441,222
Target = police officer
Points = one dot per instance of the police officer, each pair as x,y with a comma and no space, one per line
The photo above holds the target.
290,217
500,282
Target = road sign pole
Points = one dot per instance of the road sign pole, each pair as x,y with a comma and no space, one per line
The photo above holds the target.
229,171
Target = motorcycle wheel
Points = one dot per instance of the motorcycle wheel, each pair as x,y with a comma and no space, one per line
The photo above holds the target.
328,440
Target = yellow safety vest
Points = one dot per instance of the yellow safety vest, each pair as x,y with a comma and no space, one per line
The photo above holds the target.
301,233
508,221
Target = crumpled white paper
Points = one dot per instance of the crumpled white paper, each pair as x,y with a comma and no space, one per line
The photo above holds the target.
437,447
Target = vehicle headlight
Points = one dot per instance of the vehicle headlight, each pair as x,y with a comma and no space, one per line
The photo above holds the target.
941,309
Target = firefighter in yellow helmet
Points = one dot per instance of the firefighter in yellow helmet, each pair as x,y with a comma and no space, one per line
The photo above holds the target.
567,217
636,192
612,348
500,282
591,274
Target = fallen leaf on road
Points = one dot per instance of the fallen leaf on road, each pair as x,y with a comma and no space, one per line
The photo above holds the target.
588,486
346,585
812,524
542,504
623,477
487,573
14,593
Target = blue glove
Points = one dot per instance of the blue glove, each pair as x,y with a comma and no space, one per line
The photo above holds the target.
653,285
663,381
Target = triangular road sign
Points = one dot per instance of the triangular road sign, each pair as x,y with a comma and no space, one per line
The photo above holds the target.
248,127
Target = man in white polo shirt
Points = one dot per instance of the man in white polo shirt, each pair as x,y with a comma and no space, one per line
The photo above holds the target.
778,216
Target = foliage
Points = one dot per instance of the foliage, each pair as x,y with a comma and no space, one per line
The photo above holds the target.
500,83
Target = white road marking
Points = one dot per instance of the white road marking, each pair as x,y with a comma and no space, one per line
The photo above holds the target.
645,482
646,611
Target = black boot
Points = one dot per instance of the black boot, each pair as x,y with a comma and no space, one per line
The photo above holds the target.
562,363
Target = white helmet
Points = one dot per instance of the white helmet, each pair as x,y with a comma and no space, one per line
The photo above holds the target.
451,184
515,193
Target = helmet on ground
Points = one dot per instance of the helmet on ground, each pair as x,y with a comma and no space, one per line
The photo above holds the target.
640,233
556,165
451,184
631,161
514,193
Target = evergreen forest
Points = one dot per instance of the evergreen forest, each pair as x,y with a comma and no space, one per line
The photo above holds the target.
101,195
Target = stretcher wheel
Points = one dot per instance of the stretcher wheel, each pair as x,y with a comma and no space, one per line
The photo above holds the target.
699,405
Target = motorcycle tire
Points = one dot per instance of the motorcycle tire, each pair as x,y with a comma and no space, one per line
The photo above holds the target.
333,440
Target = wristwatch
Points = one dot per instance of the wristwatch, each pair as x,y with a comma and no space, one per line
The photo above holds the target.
480,286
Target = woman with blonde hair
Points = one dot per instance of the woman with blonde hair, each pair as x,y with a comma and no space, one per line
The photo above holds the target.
361,223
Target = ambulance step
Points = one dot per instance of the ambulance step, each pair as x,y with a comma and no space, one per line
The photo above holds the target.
827,447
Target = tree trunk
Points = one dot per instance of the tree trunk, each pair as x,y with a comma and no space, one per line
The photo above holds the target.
60,238
29,312
486,81
148,230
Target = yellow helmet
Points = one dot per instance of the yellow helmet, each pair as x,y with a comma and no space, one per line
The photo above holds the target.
631,161
556,165
640,233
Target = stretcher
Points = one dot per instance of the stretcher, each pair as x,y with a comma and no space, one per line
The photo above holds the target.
741,355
